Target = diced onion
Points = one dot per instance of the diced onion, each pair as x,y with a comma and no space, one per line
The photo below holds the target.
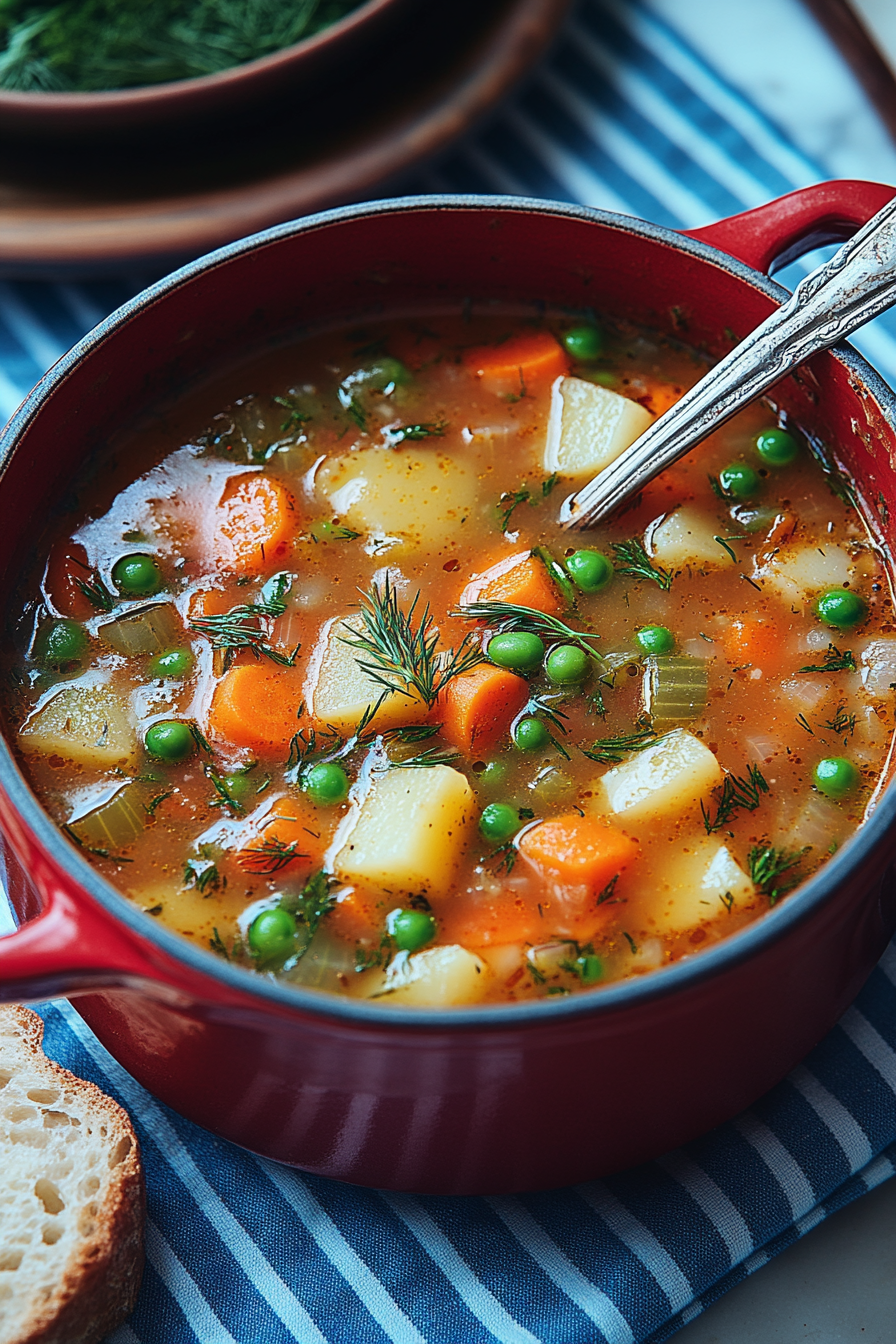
152,629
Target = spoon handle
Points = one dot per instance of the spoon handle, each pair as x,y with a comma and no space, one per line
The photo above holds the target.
857,284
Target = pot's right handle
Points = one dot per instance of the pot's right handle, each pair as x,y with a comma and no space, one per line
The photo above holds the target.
774,234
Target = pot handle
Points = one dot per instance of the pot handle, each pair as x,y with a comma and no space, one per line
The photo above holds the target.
772,235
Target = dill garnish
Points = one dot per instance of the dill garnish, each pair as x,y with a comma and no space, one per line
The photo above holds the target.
548,483
201,872
405,660
608,891
241,627
631,558
223,794
413,433
503,858
295,418
735,792
269,857
769,865
804,723
834,661
841,722
312,903
507,616
631,942
150,808
216,943
325,530
510,501
610,750
94,589
557,573
432,756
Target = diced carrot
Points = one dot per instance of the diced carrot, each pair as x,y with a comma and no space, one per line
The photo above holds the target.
256,705
66,565
754,642
254,523
514,366
660,396
358,916
521,579
578,850
292,827
486,919
480,705
213,602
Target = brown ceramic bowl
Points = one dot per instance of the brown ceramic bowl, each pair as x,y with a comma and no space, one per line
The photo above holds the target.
183,104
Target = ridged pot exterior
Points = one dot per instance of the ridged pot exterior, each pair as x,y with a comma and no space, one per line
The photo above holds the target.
485,1100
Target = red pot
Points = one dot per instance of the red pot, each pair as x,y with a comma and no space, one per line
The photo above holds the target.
491,1098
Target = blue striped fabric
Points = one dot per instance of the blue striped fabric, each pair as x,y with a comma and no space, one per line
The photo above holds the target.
625,116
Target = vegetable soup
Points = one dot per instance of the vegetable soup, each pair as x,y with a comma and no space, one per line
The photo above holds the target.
314,676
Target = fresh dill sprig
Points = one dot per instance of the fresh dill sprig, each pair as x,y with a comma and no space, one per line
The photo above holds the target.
93,588
295,417
405,657
841,722
216,943
312,903
507,616
557,573
269,857
325,530
432,756
735,792
241,628
150,808
804,723
427,429
834,661
768,867
548,483
631,558
223,794
608,892
510,501
610,750
201,872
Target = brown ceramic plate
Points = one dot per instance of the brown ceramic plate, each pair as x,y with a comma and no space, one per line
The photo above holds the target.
66,208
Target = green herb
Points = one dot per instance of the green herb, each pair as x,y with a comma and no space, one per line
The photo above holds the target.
202,873
295,419
723,542
405,656
216,943
631,558
413,433
768,867
735,793
548,483
312,903
557,573
154,802
507,616
223,795
93,588
804,723
608,891
727,900
610,750
241,628
269,857
88,45
842,722
834,661
200,739
509,502
433,756
324,530
631,942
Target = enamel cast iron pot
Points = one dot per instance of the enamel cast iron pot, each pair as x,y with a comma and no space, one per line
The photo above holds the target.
483,1099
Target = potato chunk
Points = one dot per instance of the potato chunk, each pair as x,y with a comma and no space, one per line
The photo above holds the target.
672,775
436,978
409,832
338,690
688,537
417,496
589,427
799,573
87,724
698,885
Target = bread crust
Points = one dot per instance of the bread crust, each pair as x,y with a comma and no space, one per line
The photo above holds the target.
99,1286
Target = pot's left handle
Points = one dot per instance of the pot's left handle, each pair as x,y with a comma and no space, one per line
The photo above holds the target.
70,946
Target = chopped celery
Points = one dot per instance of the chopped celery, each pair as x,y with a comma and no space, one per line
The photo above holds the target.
152,629
115,823
675,690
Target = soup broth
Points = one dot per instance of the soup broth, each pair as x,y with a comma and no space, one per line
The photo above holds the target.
315,677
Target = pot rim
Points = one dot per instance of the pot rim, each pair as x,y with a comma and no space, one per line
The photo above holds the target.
876,834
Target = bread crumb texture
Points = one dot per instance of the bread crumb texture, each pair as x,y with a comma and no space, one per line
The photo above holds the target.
72,1201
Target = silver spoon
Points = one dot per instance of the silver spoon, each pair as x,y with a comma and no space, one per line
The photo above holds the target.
857,284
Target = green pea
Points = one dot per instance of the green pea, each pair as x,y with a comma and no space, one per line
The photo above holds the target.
519,651
835,776
326,783
567,664
739,480
776,447
172,663
136,575
411,929
584,343
841,608
589,968
530,735
499,821
170,740
239,785
60,642
655,639
589,570
272,934
492,775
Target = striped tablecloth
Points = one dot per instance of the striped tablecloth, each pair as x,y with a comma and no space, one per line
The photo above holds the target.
627,113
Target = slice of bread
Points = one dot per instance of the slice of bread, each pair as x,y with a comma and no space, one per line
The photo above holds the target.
72,1202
